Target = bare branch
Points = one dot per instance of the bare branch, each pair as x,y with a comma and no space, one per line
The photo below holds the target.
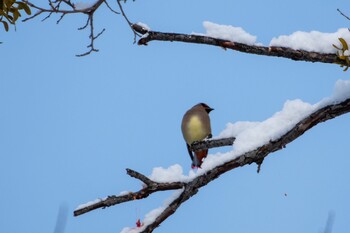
192,187
86,24
207,144
139,176
298,55
61,17
65,7
344,15
92,37
33,16
127,20
149,188
56,7
152,186
69,3
110,8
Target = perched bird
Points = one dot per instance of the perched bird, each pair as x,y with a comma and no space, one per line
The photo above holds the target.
196,127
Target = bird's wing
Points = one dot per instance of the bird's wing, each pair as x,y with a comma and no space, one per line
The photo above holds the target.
189,151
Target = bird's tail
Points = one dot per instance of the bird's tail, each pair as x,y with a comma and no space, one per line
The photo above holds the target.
199,156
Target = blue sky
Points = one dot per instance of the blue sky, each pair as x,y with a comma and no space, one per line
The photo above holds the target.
70,126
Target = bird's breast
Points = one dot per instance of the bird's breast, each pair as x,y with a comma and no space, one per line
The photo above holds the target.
196,131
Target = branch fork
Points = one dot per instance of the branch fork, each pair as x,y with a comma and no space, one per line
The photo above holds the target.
191,188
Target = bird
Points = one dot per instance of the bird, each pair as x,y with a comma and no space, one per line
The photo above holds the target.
195,127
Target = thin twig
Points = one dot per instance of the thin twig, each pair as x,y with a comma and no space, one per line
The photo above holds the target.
92,36
347,17
149,188
59,20
110,8
56,7
127,20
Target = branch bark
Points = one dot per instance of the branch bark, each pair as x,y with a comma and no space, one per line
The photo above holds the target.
149,188
149,185
254,156
207,144
297,55
192,187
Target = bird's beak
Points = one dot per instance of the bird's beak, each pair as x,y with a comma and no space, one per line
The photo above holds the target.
210,109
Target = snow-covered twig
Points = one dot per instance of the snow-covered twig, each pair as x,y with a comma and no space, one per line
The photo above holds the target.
149,188
276,51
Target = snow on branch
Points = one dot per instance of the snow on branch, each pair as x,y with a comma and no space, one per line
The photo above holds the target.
150,186
253,142
299,46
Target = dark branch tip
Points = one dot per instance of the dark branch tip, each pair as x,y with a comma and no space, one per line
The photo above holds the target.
138,28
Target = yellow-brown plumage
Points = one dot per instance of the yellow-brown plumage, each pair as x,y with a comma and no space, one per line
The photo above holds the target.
196,127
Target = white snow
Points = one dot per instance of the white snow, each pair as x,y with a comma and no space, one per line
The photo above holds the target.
250,135
341,92
90,203
122,193
258,133
145,26
83,5
228,32
171,174
313,41
153,214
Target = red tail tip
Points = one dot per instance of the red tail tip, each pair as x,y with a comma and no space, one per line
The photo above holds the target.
138,223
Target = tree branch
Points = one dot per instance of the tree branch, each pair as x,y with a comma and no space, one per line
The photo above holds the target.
254,156
127,20
149,188
149,185
92,37
57,8
191,188
344,15
297,55
65,7
207,144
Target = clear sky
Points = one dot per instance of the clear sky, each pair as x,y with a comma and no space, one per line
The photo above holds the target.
70,126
